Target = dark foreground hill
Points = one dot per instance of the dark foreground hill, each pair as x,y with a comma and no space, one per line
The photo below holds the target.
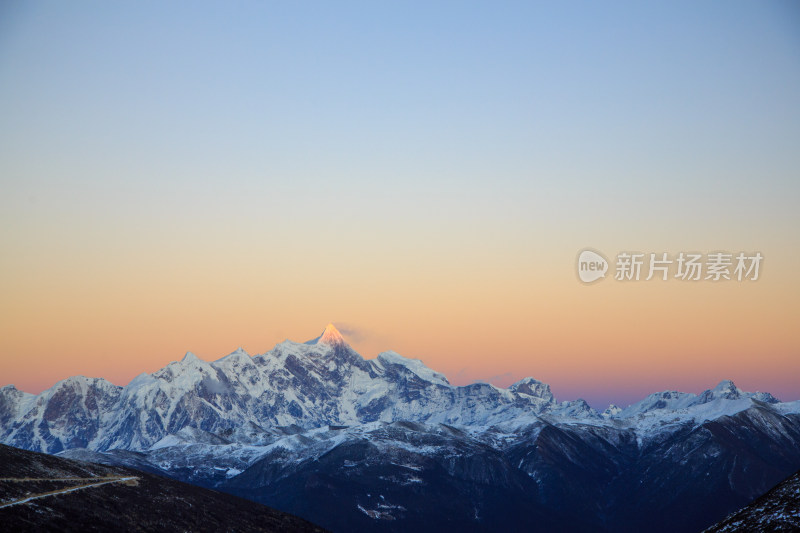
68,495
777,510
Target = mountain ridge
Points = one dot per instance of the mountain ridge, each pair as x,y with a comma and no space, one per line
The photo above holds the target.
312,384
316,430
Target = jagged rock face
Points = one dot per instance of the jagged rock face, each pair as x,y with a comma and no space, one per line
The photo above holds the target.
308,385
534,388
69,415
10,402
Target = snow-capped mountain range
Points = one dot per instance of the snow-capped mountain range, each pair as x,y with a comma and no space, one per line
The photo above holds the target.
267,427
310,385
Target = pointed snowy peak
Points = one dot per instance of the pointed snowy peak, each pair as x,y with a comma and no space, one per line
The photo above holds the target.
726,386
238,354
331,337
577,409
725,390
189,357
533,387
765,397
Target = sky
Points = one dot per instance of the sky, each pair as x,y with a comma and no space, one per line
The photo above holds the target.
197,176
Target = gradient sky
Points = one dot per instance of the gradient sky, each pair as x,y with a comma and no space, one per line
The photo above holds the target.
188,176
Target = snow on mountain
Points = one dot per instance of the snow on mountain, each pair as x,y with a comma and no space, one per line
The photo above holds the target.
777,510
665,401
392,440
13,402
592,468
670,408
274,426
415,366
67,415
330,336
533,387
253,401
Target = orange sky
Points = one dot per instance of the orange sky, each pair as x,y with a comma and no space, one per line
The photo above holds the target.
423,177
493,320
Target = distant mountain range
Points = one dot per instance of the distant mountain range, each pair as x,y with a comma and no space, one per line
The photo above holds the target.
388,444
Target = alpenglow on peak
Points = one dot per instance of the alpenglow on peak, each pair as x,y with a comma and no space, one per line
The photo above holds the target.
331,337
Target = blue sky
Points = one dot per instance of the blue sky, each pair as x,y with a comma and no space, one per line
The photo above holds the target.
404,90
416,145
